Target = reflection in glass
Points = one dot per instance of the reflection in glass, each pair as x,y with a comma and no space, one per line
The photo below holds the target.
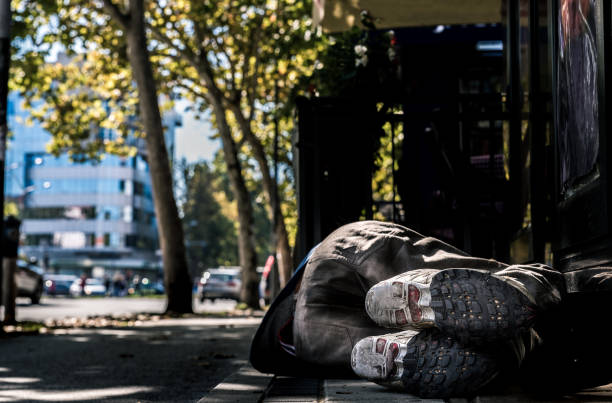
577,107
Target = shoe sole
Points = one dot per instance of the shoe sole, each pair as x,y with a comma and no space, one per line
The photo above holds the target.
471,306
428,364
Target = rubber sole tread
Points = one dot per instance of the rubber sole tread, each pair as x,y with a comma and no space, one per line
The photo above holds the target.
475,307
437,366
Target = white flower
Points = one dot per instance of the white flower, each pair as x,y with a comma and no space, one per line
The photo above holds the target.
360,50
391,54
361,61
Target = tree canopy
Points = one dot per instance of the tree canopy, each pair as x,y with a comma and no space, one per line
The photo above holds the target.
241,59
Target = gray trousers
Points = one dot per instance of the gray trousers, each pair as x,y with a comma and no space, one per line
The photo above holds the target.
330,317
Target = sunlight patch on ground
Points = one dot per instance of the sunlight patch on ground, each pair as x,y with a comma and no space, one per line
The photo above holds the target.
80,395
238,386
236,322
80,339
19,380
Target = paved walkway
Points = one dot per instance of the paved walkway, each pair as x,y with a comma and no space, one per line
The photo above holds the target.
248,385
170,360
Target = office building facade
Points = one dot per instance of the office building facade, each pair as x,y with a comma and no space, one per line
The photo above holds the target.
82,217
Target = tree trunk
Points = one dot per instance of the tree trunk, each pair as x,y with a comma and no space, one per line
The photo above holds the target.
176,273
246,234
283,250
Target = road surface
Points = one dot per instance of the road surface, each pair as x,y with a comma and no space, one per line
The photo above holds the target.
60,307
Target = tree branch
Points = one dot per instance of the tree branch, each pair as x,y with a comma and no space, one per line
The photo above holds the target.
186,54
193,91
201,34
250,86
116,14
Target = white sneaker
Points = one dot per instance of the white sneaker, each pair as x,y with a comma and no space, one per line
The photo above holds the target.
472,306
425,363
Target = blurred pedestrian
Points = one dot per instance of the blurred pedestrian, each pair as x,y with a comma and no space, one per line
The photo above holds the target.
107,284
82,283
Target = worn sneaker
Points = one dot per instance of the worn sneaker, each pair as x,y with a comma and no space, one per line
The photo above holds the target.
472,306
425,363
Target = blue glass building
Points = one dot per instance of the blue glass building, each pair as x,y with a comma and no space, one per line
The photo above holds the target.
92,217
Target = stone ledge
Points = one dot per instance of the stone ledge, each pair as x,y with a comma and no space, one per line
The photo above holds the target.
244,386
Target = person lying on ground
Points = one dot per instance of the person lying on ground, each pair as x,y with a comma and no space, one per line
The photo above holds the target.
406,311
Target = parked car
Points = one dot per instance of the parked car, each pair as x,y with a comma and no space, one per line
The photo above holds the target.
220,283
29,279
93,286
58,284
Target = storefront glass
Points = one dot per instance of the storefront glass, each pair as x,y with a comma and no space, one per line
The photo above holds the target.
578,107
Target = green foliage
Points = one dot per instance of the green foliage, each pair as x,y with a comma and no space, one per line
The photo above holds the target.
254,52
226,199
249,56
386,162
358,64
11,208
363,64
86,99
210,235
210,219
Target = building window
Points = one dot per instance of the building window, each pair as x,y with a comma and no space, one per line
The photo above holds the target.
128,214
67,213
138,188
39,239
140,242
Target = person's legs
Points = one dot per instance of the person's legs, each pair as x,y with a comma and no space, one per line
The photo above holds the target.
473,306
484,316
329,313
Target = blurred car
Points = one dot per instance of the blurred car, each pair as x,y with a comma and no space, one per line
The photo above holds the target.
93,286
29,279
58,284
220,283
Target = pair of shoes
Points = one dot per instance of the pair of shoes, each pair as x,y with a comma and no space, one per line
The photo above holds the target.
449,316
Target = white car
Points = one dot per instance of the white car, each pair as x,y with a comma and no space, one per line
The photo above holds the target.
93,286
29,280
220,283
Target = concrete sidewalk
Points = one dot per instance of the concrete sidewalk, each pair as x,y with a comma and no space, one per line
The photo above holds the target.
249,385
170,360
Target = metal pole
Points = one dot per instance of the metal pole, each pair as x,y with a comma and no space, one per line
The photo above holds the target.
275,275
514,108
5,54
9,267
393,165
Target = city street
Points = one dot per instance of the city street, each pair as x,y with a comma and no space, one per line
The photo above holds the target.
166,360
61,307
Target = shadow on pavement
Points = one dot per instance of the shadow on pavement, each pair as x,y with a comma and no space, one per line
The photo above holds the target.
162,361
